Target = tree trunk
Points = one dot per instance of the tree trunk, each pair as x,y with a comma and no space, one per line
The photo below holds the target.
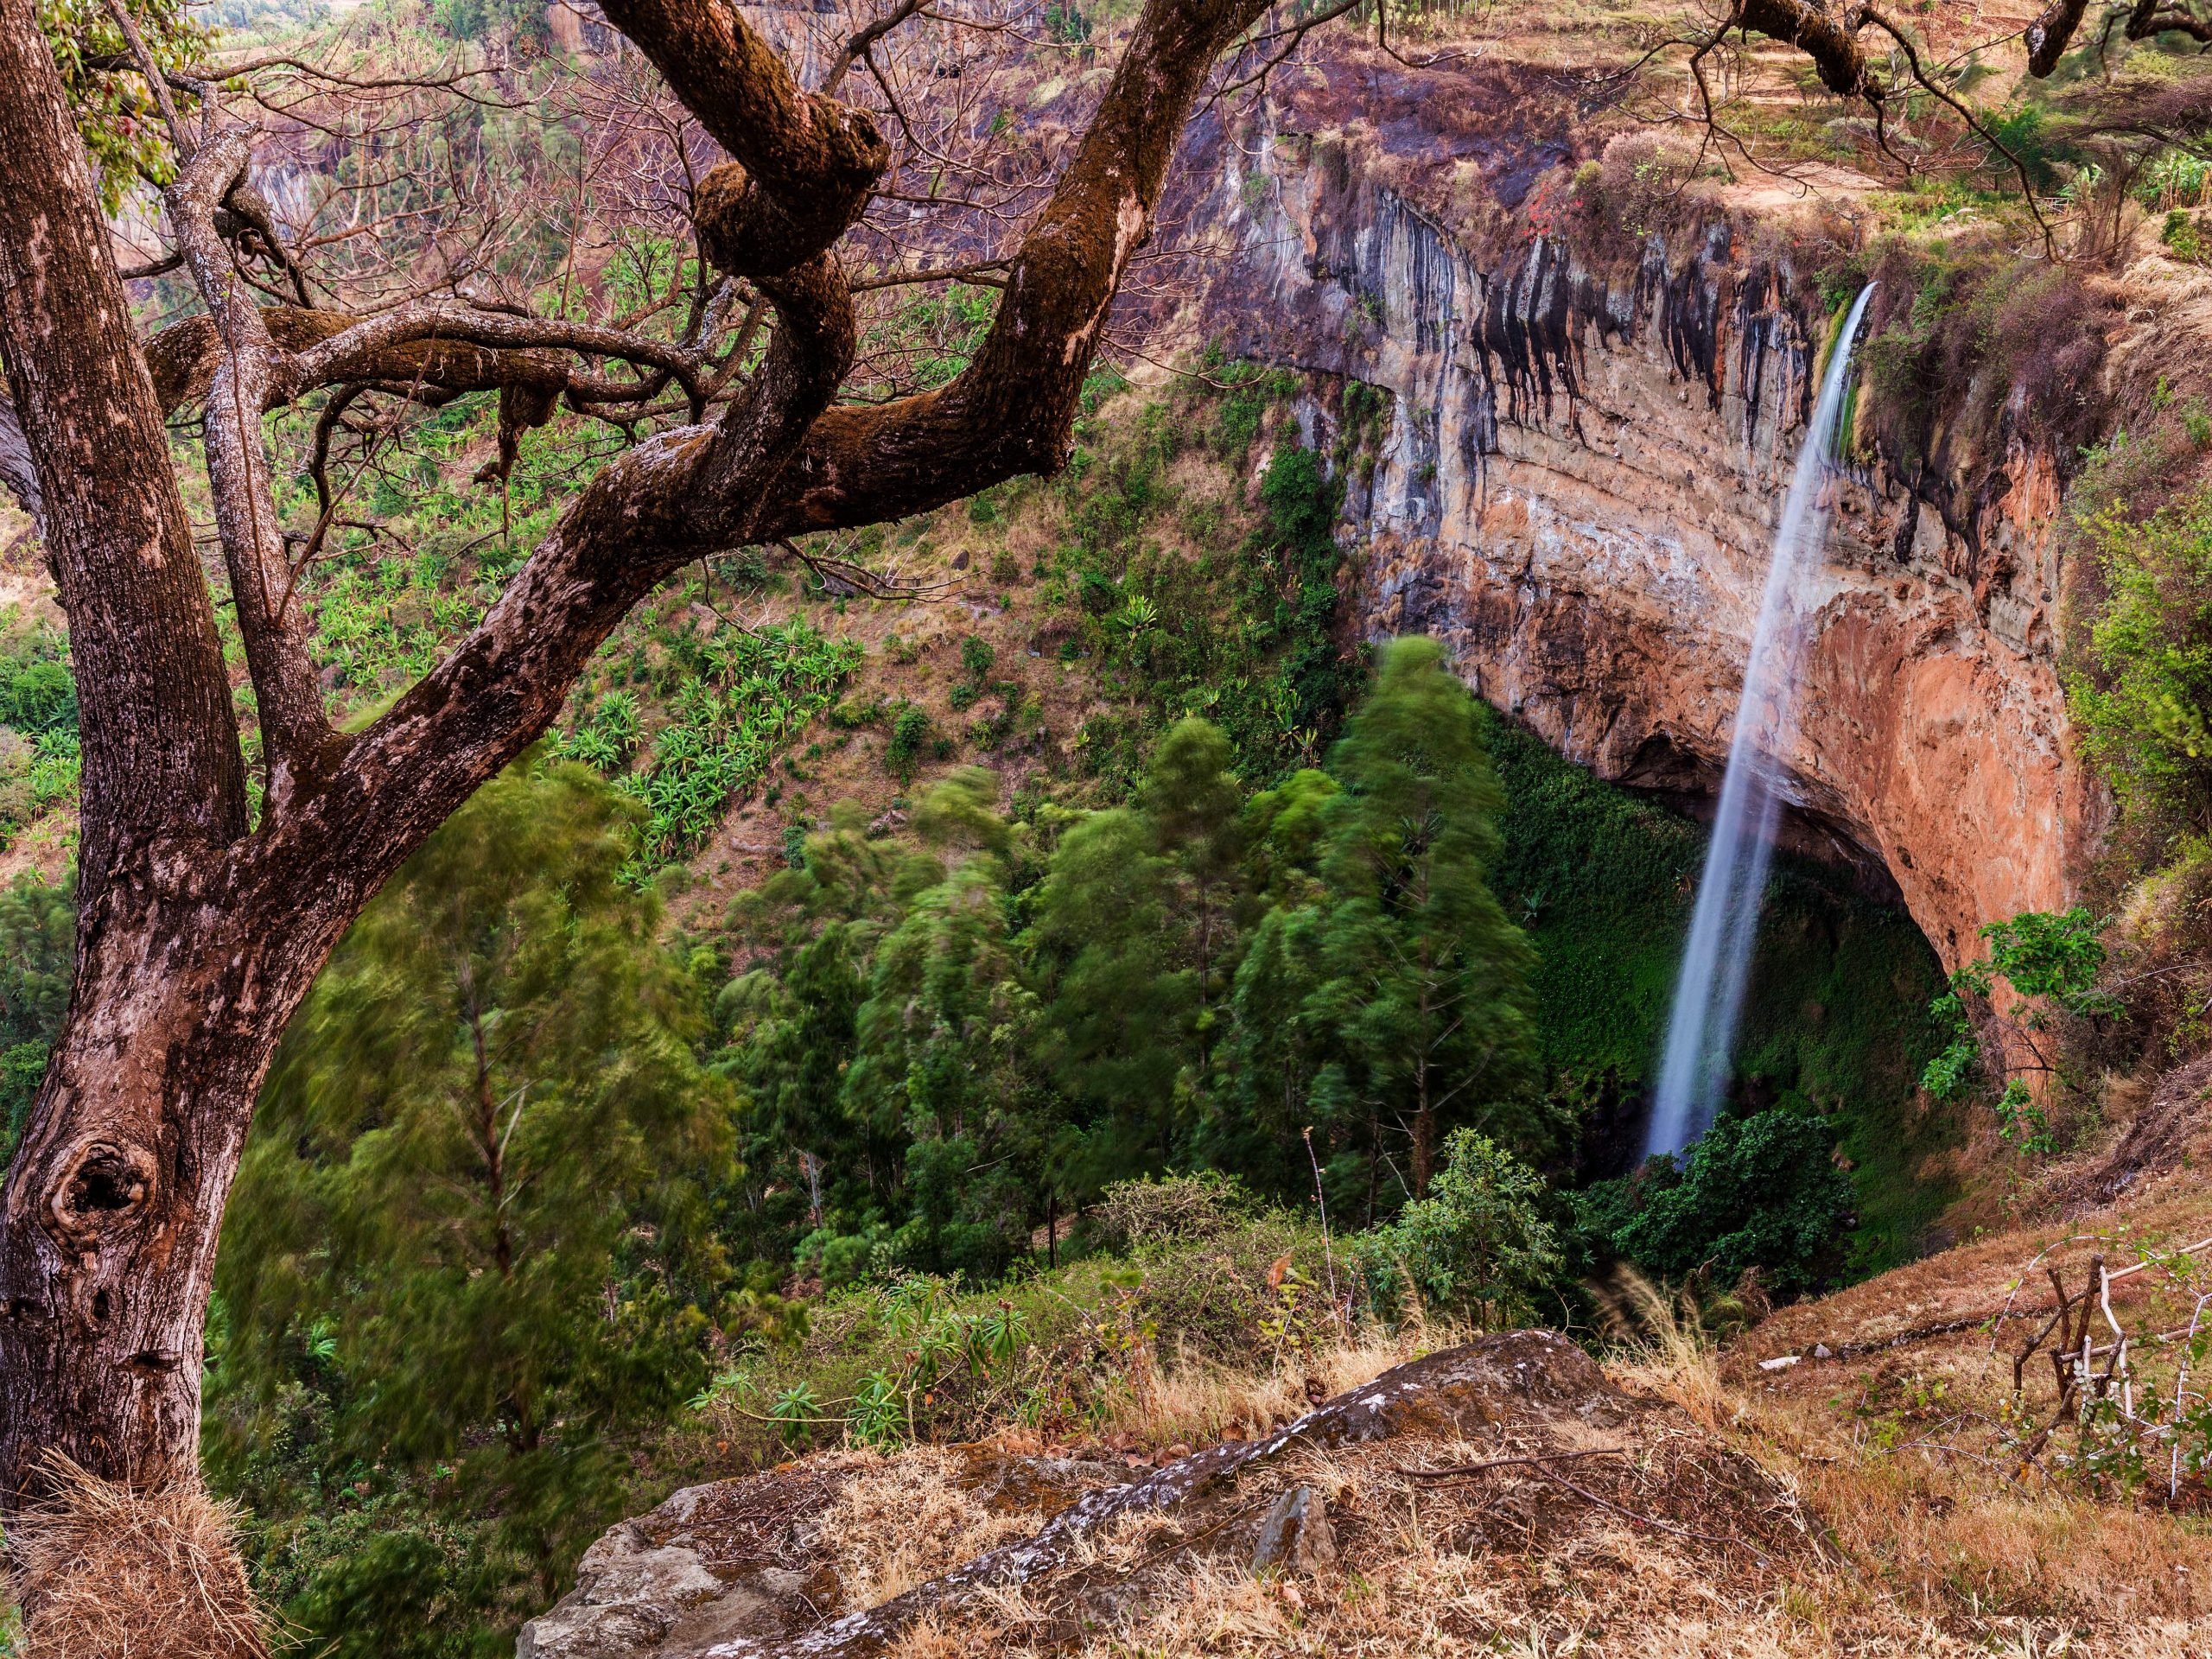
108,1222
1424,1105
198,932
113,1207
1424,1137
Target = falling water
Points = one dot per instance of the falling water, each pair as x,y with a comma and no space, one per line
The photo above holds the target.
1709,996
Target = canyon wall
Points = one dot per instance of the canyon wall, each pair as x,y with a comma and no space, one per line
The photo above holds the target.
1577,483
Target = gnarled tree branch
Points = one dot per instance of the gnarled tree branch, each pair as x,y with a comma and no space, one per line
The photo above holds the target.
296,736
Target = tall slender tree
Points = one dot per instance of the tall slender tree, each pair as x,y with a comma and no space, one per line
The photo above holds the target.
482,1166
1425,985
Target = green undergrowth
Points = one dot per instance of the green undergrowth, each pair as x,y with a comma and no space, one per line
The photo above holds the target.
1603,881
1070,1352
690,718
39,755
1185,602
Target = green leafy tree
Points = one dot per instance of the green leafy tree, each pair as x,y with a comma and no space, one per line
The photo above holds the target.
1759,1190
804,941
1477,1245
116,116
2141,681
472,1208
1275,1048
1137,931
942,1045
1424,992
2051,961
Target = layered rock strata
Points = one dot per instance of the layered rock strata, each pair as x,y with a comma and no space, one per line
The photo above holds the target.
1575,486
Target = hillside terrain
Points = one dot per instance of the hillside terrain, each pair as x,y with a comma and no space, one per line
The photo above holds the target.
1068,1073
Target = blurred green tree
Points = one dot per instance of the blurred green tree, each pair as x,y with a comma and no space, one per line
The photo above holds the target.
471,1210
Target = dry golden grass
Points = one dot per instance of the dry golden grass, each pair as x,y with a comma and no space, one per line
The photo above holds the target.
107,1573
1877,1537
1895,1450
1192,1403
907,1520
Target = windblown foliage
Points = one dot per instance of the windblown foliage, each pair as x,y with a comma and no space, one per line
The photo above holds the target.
471,1230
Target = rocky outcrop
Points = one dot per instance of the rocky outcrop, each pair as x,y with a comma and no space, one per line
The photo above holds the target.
1580,470
744,1569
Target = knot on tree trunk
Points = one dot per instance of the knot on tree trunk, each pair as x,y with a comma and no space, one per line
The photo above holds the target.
748,233
102,1188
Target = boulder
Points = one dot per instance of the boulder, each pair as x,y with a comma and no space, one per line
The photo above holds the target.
743,1569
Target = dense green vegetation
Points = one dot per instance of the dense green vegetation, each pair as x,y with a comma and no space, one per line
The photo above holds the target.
2142,675
528,1173
1835,1022
946,1046
1192,1268
1759,1193
974,1106
38,940
38,722
1246,630
471,1236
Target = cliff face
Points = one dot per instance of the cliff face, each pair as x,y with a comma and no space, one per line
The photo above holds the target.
1577,480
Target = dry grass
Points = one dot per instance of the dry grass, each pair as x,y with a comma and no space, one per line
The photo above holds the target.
1874,1538
1506,1567
907,1520
1190,1404
1895,1450
107,1573
1665,1351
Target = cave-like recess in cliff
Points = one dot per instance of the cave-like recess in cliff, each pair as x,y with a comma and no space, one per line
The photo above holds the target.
1604,880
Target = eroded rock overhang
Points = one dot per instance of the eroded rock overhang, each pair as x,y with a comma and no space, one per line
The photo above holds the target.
1576,486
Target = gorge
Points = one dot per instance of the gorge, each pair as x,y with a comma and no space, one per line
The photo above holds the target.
1121,826
1589,439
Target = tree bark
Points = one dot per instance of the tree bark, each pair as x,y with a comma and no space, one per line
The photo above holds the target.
108,1219
198,933
108,1232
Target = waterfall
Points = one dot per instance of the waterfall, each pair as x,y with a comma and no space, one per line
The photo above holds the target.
1709,992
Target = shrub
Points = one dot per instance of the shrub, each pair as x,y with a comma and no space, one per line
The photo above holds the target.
976,656
1476,1245
1968,343
1759,1190
910,737
2050,960
1172,1210
2144,679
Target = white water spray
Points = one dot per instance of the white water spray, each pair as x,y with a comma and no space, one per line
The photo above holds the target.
1717,961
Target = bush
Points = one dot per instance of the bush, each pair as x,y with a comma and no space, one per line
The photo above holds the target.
1068,1352
909,739
1477,1245
1172,1210
1759,1190
1968,344
2144,679
2052,962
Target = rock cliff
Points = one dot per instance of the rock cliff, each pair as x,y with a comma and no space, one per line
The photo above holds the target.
1584,454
